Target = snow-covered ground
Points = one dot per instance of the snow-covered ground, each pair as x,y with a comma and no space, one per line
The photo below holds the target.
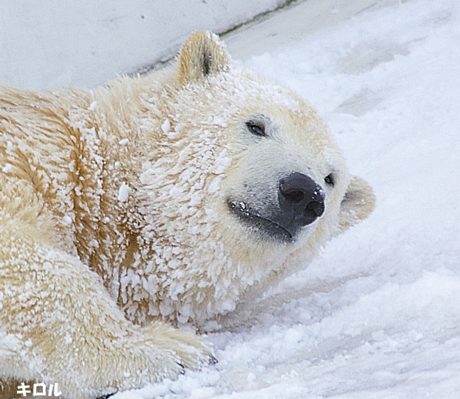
377,315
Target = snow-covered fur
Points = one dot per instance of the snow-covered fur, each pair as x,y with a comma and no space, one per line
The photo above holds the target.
128,208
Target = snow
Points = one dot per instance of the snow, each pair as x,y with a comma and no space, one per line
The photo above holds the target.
166,126
92,106
377,314
123,192
7,168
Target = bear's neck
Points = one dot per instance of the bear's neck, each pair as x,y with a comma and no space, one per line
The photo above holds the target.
105,218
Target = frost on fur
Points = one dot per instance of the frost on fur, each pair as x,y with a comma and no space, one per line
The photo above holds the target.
157,200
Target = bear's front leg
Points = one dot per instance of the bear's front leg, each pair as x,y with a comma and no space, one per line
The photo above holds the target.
59,326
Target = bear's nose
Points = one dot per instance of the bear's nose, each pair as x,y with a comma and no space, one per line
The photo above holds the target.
301,201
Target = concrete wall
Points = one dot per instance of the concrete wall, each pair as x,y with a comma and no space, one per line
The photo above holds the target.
49,43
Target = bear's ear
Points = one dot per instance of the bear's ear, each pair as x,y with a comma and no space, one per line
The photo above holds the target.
202,54
357,204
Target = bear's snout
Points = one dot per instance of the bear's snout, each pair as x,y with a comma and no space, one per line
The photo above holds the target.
298,202
301,202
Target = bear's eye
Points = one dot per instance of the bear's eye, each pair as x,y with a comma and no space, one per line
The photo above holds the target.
256,128
330,180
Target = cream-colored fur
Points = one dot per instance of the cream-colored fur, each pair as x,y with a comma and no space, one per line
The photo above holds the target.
114,216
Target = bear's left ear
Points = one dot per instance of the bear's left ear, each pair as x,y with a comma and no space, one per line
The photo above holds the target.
357,204
202,54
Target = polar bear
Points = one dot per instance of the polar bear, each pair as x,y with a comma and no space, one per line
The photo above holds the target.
156,201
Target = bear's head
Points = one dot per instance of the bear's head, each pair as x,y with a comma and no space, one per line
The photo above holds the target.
246,185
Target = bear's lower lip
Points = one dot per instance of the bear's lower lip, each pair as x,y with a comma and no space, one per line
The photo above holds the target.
262,224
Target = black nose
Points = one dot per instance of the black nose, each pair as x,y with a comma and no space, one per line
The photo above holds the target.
301,201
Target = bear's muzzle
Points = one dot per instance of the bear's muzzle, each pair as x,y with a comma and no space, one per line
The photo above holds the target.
300,203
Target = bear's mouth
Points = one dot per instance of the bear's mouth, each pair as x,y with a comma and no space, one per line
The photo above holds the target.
261,223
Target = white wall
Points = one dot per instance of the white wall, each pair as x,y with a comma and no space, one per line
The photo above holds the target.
49,43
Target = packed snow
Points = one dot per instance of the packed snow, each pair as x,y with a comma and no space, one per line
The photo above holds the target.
377,315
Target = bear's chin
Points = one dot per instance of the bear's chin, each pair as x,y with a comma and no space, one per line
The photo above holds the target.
265,227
